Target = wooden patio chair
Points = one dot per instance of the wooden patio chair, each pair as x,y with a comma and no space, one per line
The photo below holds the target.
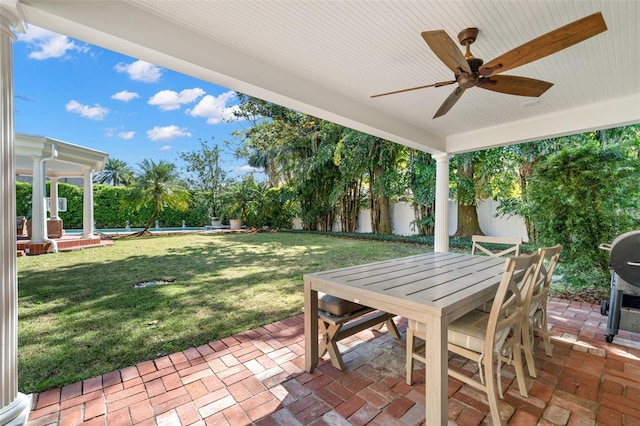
482,244
535,310
488,338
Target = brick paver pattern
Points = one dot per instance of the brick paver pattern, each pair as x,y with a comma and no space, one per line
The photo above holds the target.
257,377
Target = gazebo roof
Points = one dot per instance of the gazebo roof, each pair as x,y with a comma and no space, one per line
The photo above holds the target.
70,160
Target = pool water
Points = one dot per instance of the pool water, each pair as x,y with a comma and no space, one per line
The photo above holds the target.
152,230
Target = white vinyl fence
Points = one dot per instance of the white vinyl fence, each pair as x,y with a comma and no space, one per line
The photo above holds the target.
402,217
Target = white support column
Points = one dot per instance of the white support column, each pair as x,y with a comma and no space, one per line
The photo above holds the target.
441,231
38,203
14,406
53,196
87,205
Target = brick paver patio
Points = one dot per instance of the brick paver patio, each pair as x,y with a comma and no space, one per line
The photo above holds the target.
257,377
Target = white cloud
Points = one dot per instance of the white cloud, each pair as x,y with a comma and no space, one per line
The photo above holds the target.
126,135
96,112
166,133
165,148
125,96
247,169
215,109
47,44
140,71
168,100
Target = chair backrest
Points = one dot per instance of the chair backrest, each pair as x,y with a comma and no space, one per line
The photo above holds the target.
550,257
480,244
546,265
503,327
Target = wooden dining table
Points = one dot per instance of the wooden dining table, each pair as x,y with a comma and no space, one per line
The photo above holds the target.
433,288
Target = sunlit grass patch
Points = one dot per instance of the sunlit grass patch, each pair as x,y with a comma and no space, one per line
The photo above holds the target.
80,314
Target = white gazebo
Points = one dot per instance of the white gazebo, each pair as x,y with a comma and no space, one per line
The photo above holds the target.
46,158
326,58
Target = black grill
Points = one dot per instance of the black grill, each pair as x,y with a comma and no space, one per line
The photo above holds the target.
623,306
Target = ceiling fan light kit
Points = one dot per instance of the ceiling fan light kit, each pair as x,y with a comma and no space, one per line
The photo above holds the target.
470,71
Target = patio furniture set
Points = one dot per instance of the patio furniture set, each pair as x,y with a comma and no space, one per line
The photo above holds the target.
484,308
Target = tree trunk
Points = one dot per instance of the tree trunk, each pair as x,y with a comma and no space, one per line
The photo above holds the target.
380,205
421,212
526,170
349,207
468,223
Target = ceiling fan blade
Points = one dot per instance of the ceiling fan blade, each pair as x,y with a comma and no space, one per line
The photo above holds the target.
449,102
547,44
513,85
442,83
446,49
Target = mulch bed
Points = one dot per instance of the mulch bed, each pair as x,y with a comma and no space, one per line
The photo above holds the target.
587,295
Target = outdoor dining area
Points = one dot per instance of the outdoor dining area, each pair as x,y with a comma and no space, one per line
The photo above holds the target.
490,346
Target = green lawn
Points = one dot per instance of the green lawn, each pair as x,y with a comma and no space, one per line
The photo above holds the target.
80,315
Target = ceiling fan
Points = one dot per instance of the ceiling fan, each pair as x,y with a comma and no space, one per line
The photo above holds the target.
469,71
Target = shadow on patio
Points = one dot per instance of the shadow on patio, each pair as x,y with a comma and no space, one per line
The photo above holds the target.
257,377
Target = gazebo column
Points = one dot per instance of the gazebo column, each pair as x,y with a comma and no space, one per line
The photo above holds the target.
441,231
87,205
14,406
38,203
53,196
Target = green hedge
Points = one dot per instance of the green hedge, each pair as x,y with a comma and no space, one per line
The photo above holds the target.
108,210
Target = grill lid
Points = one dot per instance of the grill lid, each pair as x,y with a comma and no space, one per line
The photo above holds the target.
625,249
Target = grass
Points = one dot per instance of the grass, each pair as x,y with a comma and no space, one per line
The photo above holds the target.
80,315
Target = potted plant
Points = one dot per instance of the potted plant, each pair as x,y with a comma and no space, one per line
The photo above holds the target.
238,201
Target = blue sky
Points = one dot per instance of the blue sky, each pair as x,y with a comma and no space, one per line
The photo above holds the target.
79,93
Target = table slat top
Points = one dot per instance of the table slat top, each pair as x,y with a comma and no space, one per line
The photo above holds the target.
441,281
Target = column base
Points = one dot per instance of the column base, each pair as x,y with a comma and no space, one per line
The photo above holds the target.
16,413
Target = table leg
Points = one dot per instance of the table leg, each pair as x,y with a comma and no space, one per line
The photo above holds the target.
436,375
310,327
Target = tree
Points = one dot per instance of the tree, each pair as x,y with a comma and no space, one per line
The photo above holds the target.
240,200
116,172
422,182
205,173
157,184
517,163
465,192
585,195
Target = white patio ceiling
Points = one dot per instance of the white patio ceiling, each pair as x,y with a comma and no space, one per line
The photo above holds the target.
327,58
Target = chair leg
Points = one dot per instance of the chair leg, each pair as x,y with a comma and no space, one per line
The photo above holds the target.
490,384
517,361
527,345
544,330
410,349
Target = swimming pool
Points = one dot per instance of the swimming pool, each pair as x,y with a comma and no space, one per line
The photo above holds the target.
152,230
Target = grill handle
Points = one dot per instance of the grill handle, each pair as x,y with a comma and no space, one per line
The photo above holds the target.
605,246
633,263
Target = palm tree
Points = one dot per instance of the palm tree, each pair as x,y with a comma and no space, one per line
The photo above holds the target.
157,183
116,172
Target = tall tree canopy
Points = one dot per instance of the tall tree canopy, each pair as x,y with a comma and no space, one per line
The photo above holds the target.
585,195
205,173
158,184
116,172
